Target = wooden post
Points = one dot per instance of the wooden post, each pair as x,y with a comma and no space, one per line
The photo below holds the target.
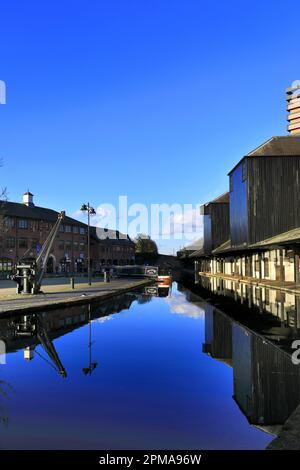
281,265
296,267
259,266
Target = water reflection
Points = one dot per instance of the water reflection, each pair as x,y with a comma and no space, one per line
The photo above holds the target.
27,332
251,329
136,379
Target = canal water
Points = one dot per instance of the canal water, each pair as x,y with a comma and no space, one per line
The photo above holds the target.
156,369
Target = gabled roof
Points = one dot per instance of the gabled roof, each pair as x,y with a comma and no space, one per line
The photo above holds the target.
17,209
278,146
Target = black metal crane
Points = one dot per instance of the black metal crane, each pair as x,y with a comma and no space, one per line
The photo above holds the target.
29,276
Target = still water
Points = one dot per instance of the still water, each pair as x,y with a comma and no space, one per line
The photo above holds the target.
154,369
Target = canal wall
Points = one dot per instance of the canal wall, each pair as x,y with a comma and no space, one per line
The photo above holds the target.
57,296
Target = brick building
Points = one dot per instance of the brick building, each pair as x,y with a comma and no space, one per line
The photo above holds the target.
24,227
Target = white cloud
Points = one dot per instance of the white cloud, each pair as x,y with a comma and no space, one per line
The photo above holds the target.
180,306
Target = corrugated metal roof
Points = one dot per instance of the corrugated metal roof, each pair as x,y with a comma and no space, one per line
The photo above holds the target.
285,237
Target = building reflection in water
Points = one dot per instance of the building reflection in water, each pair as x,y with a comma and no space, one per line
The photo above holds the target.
251,329
27,332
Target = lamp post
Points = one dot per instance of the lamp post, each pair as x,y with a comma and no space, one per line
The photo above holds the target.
92,365
90,211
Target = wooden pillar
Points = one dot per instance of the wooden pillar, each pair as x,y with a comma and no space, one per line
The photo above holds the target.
259,266
281,265
296,267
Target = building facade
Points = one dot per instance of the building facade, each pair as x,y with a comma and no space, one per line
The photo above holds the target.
24,228
262,217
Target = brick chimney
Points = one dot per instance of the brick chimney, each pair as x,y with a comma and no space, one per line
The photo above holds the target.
293,107
28,199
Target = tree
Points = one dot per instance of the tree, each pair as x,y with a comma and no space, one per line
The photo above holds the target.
144,245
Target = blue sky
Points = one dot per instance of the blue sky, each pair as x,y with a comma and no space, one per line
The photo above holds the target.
155,100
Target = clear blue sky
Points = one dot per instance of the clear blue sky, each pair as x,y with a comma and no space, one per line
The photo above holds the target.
155,99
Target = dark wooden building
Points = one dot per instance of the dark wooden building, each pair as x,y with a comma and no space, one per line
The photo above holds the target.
218,335
265,192
215,223
266,382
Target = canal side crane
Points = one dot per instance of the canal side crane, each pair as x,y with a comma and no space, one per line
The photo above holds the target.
29,276
32,326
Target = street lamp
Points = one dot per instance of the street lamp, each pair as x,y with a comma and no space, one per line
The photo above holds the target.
92,365
90,211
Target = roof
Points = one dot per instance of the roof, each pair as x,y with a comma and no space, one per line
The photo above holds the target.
113,236
17,209
197,253
278,146
284,237
226,246
220,199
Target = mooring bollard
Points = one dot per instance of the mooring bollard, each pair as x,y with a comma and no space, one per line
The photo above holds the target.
72,282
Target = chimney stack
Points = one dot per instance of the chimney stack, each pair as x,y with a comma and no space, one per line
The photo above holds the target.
28,199
293,107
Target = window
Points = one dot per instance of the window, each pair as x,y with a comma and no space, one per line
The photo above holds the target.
61,228
61,245
76,246
75,229
68,245
9,222
5,264
244,170
68,228
230,183
82,246
23,242
35,225
82,230
10,242
23,223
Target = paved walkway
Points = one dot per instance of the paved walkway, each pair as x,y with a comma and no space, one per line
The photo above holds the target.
55,294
